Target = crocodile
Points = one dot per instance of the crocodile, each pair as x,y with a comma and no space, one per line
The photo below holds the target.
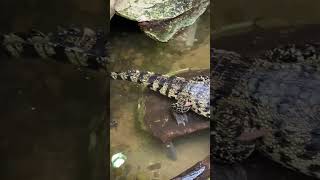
268,102
88,48
190,95
83,47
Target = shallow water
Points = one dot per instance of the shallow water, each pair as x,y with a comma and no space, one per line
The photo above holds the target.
134,50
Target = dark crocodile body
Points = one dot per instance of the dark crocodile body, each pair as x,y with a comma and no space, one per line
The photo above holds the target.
277,92
195,92
83,47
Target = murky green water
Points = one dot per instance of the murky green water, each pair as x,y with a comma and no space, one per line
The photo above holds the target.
137,51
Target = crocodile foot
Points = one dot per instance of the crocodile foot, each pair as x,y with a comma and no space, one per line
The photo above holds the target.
181,118
171,151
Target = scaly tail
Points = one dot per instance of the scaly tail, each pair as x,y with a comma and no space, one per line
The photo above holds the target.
81,47
168,86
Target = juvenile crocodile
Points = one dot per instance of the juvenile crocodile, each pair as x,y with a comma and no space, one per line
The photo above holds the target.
80,46
190,94
269,103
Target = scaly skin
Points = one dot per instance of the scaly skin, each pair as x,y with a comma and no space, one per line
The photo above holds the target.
87,48
274,93
82,47
190,94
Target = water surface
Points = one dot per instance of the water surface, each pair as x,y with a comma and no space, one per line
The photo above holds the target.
134,50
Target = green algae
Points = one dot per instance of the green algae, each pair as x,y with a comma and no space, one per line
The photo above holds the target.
162,19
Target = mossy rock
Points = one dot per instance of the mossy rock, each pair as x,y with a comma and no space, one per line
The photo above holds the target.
162,19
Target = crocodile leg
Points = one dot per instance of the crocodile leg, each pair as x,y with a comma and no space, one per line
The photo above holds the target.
171,151
180,118
182,106
179,111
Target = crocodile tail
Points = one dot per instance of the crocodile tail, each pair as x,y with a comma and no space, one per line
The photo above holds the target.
81,47
169,86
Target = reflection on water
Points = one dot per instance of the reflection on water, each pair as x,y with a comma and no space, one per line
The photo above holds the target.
136,51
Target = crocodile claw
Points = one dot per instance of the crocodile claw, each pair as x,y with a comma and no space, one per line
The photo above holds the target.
180,118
